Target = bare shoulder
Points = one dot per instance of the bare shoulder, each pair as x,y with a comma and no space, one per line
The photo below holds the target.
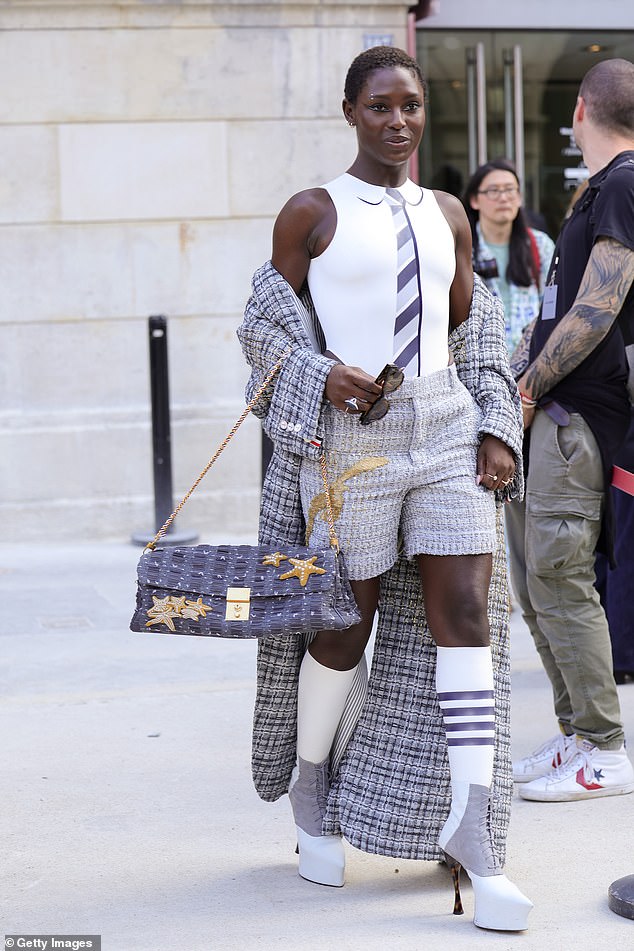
462,286
306,209
302,230
453,211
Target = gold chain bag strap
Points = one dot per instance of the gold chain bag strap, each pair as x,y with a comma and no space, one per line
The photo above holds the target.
243,591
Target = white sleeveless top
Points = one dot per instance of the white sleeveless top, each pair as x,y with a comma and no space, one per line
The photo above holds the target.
353,282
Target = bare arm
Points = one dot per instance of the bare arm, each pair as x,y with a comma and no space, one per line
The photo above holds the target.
462,285
519,358
304,228
605,284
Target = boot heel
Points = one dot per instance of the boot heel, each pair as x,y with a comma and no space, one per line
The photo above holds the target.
455,868
499,905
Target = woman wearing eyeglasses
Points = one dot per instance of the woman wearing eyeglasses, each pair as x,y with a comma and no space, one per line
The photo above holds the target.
510,257
513,260
416,447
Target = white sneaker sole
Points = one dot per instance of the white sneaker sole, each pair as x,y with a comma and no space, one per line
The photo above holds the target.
547,795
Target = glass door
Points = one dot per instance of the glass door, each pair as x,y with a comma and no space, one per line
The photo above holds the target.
509,93
512,105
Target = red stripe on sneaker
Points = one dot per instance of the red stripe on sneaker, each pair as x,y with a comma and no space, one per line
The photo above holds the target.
582,782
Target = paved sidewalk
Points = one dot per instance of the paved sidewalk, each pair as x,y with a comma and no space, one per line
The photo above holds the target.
128,809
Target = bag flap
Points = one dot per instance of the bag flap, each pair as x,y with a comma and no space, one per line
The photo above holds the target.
266,570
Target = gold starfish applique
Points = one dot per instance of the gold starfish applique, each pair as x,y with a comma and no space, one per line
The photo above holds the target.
318,504
161,612
274,559
195,609
304,568
165,609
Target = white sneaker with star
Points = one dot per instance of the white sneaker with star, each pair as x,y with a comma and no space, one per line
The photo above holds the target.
588,773
550,754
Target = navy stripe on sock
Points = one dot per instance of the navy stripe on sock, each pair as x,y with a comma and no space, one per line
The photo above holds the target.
467,711
467,695
470,741
470,725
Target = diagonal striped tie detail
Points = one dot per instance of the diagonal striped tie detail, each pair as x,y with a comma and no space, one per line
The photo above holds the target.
408,300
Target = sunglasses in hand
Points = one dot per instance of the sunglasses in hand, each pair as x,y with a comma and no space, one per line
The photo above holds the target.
389,379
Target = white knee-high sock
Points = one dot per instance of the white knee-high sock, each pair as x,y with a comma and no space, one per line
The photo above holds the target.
321,698
464,683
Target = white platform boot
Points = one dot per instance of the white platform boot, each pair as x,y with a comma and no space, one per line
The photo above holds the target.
464,681
322,695
321,857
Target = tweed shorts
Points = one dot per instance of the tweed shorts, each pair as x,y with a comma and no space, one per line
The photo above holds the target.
405,482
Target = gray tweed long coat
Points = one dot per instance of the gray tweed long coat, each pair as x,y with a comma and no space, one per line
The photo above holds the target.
390,791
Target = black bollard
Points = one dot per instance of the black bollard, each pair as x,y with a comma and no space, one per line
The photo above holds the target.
161,438
161,435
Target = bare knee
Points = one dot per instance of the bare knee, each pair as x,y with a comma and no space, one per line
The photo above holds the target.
342,650
462,621
456,593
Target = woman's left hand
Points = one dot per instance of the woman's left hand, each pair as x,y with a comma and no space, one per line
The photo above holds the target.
496,463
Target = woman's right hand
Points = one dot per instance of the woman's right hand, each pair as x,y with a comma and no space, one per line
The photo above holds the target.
351,383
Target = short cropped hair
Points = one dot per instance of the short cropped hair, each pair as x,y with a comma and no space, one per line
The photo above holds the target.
377,57
608,91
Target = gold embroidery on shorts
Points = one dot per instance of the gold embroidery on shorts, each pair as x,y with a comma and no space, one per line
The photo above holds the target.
337,488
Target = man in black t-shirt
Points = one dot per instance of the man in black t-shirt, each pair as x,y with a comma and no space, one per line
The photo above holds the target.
576,403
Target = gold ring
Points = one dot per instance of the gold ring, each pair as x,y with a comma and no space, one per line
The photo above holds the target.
492,475
507,482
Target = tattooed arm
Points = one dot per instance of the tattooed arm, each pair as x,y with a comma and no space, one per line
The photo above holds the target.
604,286
519,358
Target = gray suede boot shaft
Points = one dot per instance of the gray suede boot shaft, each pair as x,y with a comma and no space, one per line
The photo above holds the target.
309,795
471,842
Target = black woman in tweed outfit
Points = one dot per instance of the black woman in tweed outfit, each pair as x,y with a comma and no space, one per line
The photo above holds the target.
387,266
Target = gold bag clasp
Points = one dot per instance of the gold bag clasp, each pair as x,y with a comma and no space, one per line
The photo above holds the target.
238,602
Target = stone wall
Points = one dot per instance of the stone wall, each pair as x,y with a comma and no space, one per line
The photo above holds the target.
145,148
